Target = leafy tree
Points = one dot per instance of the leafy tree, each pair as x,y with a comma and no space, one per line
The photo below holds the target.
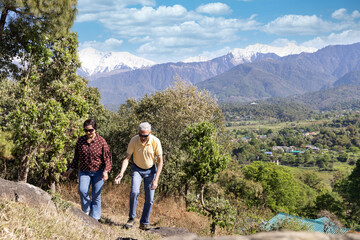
23,24
332,202
169,112
344,157
204,164
349,189
52,103
282,192
311,179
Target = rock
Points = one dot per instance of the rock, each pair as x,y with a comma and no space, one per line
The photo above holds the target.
88,221
36,197
26,193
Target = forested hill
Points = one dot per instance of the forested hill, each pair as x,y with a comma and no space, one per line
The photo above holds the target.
337,98
286,76
296,107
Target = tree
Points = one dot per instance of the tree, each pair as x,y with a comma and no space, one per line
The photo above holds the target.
344,157
349,190
204,164
169,112
52,103
282,192
23,24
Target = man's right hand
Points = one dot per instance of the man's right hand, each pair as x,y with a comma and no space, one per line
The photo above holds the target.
118,178
67,174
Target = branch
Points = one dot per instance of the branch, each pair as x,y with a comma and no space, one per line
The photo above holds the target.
202,201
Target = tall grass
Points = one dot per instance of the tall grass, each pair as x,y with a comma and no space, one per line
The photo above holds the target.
166,211
18,221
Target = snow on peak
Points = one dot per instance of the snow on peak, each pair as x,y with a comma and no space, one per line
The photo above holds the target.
245,55
94,61
199,58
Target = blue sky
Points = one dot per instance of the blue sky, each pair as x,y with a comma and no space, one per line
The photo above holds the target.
173,30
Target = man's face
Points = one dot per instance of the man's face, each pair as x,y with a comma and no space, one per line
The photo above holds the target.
144,135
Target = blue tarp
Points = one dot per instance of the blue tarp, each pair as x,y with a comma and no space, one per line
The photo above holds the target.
323,224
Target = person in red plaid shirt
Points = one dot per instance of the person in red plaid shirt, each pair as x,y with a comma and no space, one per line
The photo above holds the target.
93,158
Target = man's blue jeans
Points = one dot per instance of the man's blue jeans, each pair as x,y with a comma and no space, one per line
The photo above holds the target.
136,178
93,205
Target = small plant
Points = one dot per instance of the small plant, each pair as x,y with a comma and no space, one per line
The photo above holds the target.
290,224
60,203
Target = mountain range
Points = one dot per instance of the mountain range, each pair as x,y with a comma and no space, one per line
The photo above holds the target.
289,75
257,72
132,81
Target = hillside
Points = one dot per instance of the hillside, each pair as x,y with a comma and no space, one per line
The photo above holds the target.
258,76
337,98
116,86
286,76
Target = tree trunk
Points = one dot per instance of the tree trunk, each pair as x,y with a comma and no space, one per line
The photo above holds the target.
4,14
213,227
24,169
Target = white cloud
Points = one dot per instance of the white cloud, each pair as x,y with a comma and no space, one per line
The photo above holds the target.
345,37
341,14
207,55
214,8
301,25
107,45
171,29
281,42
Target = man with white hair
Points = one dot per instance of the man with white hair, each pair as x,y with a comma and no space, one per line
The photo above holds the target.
146,150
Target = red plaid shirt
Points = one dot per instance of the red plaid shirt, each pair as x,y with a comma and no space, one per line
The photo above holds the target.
92,156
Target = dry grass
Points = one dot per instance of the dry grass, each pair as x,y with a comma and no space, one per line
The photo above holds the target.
19,221
166,212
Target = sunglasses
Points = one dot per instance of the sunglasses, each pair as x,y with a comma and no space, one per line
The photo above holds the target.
89,130
143,136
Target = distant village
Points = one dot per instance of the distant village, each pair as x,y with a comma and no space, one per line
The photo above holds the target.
285,149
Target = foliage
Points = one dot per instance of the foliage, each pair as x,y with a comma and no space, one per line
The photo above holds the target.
281,191
204,164
275,109
349,189
169,112
53,104
23,24
290,224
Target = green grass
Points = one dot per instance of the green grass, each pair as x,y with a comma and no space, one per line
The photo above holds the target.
274,126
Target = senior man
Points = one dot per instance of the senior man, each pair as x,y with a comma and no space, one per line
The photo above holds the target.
146,150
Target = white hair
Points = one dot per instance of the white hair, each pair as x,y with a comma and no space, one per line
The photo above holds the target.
144,126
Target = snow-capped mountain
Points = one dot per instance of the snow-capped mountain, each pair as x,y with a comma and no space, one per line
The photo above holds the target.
248,54
94,61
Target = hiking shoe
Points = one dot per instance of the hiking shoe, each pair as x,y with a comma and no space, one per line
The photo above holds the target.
144,227
130,223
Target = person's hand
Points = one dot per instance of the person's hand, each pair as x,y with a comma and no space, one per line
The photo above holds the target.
118,178
105,175
68,172
154,185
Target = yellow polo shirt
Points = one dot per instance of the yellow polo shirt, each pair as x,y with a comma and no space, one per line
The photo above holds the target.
144,155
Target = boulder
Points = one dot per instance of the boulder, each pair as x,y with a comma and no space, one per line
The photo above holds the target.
26,193
36,197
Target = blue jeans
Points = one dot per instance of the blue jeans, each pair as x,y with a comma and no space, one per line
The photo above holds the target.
136,178
93,205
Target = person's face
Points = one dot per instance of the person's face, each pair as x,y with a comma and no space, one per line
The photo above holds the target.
90,131
144,135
